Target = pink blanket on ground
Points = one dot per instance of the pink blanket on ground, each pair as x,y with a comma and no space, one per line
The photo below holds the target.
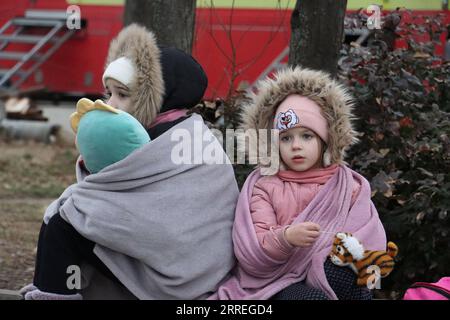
257,276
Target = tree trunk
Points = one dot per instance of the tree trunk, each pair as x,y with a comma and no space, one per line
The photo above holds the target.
172,21
317,34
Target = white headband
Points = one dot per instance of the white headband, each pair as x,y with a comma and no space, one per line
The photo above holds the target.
121,69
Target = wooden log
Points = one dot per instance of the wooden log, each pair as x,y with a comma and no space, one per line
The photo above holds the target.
6,93
10,295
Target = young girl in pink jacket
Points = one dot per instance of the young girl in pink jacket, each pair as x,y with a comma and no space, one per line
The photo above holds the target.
285,223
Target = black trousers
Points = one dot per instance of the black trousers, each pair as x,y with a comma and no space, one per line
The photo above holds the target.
341,279
61,246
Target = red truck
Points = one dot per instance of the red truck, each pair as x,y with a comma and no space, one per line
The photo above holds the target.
71,61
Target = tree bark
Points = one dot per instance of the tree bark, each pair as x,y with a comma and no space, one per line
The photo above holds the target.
172,21
317,34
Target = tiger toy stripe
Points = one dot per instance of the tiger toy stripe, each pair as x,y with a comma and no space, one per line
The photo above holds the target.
348,251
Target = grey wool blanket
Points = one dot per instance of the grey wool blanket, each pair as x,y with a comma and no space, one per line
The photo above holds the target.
163,228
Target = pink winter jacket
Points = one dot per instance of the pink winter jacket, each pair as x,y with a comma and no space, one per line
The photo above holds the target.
277,200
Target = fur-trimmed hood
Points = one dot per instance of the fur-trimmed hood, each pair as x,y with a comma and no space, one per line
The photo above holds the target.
334,100
147,89
167,78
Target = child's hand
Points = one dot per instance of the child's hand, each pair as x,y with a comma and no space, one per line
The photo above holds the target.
302,234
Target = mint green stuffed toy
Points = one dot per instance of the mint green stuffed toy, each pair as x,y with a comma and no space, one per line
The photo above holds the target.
105,135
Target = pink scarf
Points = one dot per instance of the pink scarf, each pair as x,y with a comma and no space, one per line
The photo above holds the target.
257,276
168,116
319,175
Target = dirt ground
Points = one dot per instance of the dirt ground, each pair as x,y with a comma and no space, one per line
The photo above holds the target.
32,175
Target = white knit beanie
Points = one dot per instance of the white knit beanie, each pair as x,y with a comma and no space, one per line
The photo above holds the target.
122,70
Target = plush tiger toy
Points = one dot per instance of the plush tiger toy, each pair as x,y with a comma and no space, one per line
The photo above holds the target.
348,251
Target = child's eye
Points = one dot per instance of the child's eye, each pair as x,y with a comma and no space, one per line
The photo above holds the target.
307,136
285,138
122,95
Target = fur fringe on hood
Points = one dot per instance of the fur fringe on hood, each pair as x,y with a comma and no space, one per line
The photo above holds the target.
334,100
147,91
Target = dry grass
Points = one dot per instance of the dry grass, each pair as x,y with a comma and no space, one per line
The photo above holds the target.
19,229
35,170
31,176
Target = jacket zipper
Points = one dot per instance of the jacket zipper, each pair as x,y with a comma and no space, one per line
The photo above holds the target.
432,287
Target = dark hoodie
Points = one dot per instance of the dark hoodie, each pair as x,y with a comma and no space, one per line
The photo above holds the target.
185,83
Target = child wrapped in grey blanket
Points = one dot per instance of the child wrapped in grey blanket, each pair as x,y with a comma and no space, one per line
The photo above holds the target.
104,136
136,212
